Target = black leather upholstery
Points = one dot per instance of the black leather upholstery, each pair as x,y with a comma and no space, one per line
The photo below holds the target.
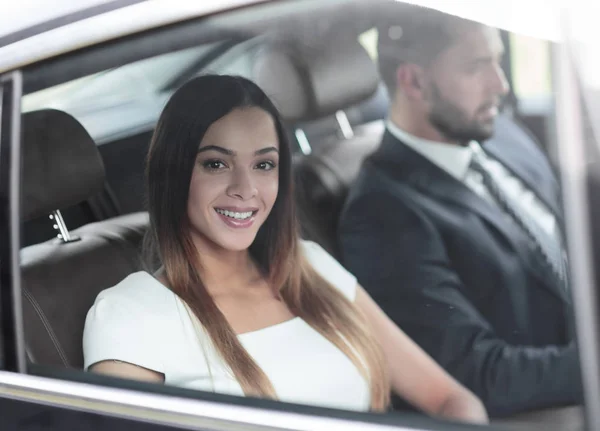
276,72
324,177
61,165
340,77
307,84
61,280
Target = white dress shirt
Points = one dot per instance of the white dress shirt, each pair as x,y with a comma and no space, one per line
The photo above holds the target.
455,160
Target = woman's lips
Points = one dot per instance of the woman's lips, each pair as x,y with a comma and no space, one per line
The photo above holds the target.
235,222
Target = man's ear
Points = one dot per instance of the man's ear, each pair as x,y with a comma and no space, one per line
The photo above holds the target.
410,80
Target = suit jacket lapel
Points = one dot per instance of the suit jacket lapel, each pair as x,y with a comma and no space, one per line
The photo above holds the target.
407,166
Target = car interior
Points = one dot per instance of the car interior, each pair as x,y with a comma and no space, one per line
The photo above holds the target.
85,140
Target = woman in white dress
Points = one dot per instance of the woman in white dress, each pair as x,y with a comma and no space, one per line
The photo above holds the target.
240,304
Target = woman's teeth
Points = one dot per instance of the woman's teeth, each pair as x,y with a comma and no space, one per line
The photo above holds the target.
235,215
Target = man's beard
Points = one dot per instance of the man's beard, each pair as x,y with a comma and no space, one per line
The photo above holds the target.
453,123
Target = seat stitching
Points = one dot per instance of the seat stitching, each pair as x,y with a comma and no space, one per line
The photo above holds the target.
46,324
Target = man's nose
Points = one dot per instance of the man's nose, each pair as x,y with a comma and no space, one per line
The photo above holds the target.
242,185
499,83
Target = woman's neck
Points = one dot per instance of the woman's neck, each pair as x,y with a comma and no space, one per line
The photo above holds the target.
224,269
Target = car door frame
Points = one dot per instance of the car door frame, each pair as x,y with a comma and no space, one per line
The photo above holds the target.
12,355
64,394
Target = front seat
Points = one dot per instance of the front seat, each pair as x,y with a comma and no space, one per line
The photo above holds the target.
62,277
313,86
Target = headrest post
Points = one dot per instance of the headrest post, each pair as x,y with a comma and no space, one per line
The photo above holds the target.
303,142
62,166
59,225
344,124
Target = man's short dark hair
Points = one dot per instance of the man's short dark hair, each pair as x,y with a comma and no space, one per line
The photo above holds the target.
412,34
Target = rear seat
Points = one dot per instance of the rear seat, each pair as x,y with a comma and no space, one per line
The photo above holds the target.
61,279
314,85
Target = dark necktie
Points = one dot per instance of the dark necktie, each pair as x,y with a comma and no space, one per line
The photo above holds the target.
547,251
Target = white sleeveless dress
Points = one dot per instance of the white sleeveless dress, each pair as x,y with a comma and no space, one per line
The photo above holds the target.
142,322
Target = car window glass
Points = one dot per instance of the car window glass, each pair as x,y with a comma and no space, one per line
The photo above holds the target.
432,245
530,59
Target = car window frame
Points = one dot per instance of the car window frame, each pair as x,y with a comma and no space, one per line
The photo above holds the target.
12,355
29,384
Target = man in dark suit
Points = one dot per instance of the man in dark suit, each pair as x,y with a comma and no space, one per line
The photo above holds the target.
461,243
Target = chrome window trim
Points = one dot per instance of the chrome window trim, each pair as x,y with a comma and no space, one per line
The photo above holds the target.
170,410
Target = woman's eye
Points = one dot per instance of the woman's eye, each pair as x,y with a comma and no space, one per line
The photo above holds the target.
267,165
213,165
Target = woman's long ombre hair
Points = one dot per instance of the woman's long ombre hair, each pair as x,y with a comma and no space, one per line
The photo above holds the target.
171,158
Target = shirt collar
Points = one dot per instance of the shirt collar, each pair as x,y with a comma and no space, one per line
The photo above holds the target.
454,159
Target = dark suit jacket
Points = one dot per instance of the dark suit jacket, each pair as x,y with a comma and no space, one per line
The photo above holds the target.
455,274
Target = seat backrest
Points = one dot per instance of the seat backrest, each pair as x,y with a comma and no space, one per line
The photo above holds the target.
61,282
317,86
61,279
324,177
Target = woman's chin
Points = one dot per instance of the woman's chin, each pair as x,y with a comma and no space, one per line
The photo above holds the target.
235,244
237,247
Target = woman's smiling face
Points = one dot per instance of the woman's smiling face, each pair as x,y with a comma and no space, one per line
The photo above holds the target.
235,180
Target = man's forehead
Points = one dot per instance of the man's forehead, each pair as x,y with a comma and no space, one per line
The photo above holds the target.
473,42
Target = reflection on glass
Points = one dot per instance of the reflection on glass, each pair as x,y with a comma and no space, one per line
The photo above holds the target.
431,263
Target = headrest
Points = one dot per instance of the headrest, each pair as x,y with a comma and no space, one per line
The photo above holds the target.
306,84
61,164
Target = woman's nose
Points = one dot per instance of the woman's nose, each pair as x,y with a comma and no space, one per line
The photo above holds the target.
242,185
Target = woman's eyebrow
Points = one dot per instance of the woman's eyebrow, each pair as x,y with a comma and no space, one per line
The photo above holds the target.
216,148
233,153
266,150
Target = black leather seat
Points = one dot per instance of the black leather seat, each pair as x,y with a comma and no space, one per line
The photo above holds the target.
316,86
324,178
61,168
